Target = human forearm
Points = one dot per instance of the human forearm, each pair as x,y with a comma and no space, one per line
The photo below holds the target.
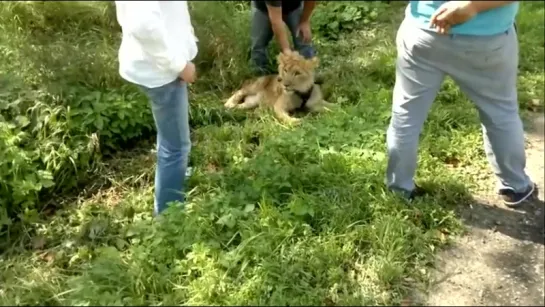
308,8
278,27
281,35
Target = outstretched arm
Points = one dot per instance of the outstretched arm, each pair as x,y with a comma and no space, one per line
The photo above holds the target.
308,8
277,24
304,24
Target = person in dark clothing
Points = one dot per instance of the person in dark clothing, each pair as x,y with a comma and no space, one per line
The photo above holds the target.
269,18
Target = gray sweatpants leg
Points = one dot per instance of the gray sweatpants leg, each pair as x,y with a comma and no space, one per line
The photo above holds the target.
485,68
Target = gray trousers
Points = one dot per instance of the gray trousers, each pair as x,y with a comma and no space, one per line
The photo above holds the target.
262,33
485,69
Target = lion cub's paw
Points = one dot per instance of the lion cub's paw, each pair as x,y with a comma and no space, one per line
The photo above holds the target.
230,103
328,106
293,121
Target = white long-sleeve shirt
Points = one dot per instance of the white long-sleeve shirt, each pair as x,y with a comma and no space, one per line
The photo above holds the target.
157,41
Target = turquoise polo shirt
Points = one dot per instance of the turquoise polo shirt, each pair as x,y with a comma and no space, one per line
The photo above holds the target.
491,22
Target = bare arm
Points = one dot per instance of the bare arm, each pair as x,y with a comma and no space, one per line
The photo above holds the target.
308,7
278,26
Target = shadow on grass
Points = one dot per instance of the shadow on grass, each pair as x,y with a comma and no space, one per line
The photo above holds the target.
299,223
346,234
298,219
276,217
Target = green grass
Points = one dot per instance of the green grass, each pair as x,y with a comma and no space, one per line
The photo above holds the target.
275,215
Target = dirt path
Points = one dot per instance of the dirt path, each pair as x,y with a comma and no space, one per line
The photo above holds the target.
500,261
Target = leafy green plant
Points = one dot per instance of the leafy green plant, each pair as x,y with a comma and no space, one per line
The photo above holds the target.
275,215
331,19
65,103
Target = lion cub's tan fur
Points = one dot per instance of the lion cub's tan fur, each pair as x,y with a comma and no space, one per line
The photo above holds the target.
283,91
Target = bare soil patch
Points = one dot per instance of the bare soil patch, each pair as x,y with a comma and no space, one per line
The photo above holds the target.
500,261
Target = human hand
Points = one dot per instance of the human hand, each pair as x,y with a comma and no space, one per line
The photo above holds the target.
189,74
304,31
452,13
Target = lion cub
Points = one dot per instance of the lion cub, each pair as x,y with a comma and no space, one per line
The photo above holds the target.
293,88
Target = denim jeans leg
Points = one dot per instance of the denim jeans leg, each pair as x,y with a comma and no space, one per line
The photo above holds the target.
261,34
292,20
169,104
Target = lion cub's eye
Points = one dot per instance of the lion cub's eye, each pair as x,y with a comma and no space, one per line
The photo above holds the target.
296,73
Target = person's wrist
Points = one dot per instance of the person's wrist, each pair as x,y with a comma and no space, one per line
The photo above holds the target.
181,69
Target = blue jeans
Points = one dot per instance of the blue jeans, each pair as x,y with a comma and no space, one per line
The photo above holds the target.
169,105
485,69
262,33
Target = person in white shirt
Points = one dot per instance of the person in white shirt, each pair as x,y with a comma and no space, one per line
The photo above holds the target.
157,48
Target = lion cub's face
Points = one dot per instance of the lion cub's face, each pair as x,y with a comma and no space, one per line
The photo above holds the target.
296,73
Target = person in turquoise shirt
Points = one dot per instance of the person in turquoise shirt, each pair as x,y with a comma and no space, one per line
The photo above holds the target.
475,43
489,22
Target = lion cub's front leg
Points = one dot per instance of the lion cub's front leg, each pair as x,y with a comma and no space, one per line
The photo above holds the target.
282,107
320,106
316,102
250,102
235,99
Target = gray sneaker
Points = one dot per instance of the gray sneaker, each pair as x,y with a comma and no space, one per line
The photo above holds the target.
514,199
